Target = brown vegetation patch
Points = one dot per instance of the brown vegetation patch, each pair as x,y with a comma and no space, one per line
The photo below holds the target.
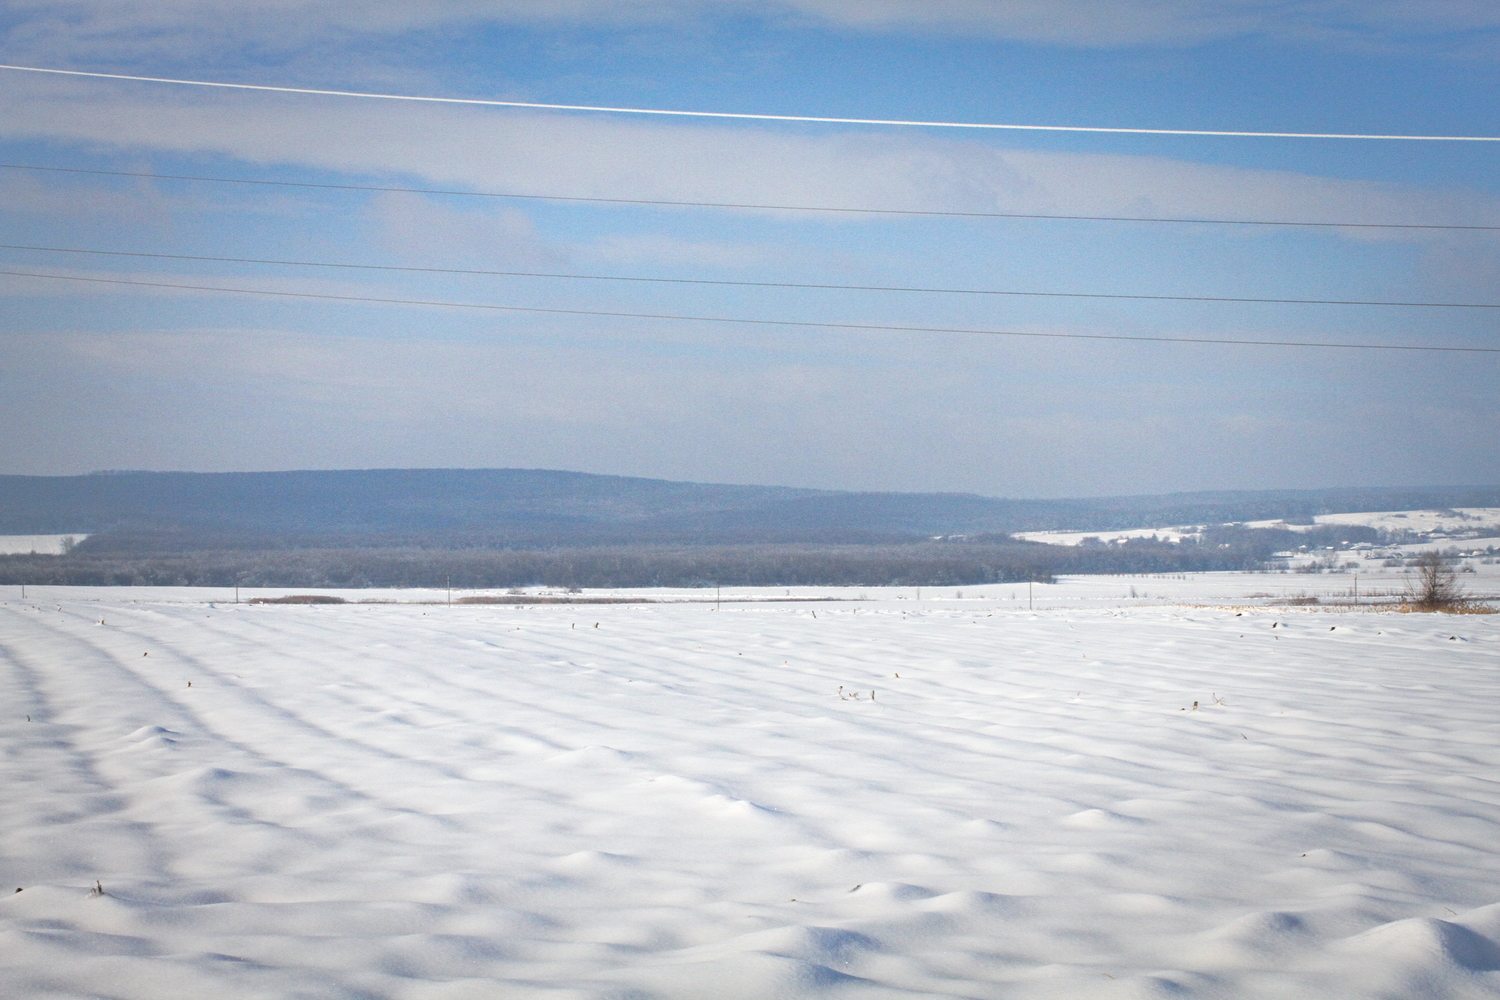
299,599
1452,608
547,599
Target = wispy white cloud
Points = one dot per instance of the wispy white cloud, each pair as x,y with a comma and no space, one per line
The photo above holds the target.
662,248
120,29
420,228
580,155
33,195
1116,23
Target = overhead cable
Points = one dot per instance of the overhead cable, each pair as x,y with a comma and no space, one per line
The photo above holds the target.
810,324
751,117
746,205
760,284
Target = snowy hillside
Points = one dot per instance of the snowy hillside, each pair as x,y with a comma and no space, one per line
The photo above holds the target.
1456,523
885,798
1463,523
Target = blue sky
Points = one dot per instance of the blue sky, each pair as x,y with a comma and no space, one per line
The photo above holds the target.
98,376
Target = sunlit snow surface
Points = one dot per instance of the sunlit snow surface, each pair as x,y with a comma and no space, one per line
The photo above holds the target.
412,801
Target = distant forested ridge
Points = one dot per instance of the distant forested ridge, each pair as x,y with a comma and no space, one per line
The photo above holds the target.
487,528
534,508
915,564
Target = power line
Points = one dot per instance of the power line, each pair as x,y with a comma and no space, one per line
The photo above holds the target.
749,322
752,117
747,205
763,284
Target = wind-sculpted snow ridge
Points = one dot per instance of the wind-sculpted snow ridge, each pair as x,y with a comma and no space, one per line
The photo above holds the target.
894,799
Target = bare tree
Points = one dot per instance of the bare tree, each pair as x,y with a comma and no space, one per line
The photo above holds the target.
1434,586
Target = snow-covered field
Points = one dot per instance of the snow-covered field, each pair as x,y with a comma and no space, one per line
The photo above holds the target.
1462,522
1173,535
1106,797
1456,522
44,545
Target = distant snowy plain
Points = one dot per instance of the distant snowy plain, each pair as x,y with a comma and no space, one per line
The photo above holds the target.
1107,796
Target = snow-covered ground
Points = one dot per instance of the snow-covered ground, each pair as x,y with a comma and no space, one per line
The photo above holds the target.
1475,566
1173,535
44,545
1459,523
1109,796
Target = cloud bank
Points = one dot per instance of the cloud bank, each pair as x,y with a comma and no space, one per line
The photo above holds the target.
526,153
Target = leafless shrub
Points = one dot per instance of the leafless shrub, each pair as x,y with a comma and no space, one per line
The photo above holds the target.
1433,586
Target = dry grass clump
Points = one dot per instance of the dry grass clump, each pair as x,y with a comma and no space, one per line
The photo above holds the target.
300,599
1458,607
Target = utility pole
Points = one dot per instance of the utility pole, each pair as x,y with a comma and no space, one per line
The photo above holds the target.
716,597
1356,588
450,591
1029,605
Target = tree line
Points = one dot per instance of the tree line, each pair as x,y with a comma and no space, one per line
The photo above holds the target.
927,563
